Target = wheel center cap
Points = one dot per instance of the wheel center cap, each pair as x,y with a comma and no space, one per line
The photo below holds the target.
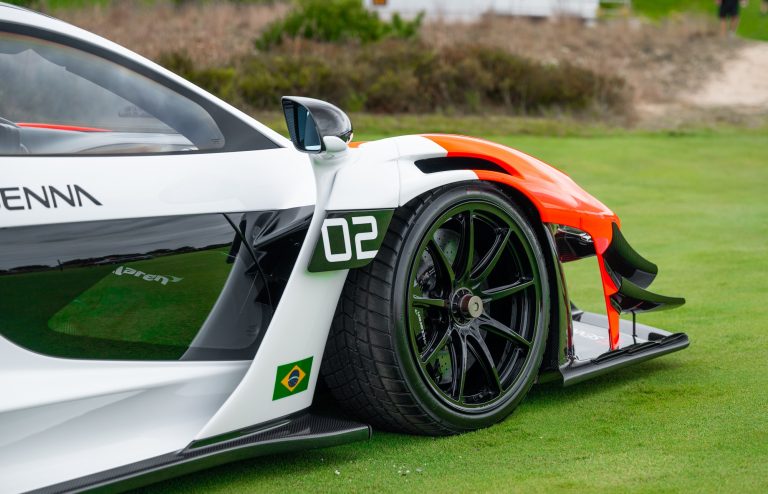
471,306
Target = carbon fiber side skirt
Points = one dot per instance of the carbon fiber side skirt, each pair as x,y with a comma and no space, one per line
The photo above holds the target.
304,431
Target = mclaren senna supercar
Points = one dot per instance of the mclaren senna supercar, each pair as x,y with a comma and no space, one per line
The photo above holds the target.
175,277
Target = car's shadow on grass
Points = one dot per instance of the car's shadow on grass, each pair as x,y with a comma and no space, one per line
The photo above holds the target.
276,468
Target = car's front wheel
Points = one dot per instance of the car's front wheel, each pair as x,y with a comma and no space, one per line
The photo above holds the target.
445,330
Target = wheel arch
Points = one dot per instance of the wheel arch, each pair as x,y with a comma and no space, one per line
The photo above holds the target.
558,199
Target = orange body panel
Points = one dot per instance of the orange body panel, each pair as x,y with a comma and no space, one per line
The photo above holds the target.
556,196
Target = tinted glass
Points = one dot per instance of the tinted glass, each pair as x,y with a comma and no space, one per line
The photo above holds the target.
169,288
124,289
55,99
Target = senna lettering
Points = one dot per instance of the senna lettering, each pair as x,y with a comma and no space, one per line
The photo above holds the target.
45,197
162,279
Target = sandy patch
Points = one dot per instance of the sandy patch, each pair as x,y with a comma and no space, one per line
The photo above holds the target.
742,83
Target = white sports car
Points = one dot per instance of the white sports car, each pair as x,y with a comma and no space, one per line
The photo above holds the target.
176,277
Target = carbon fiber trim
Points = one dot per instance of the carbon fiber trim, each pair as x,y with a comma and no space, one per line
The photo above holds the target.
434,165
632,298
632,274
304,431
573,244
640,343
624,262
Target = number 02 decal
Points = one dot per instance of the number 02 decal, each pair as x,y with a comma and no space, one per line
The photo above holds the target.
349,239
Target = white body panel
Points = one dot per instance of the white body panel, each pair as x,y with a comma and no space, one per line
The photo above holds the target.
382,174
63,419
144,186
77,418
413,182
189,400
299,329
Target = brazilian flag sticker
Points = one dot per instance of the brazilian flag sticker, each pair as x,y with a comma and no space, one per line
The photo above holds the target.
292,378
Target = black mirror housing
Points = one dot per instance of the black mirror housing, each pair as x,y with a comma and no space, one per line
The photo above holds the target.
310,120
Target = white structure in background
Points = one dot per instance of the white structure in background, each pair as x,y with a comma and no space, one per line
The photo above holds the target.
470,10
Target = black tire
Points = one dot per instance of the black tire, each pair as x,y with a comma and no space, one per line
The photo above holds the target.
380,370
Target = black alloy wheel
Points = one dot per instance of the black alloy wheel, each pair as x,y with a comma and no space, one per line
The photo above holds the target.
444,332
473,296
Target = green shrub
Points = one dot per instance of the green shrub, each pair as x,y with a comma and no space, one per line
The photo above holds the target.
335,21
396,76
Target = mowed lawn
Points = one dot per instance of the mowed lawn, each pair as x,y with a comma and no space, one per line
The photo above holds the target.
753,25
694,421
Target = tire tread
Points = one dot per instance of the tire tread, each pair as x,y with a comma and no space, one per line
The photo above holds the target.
363,374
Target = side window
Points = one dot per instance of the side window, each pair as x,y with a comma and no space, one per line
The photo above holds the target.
57,100
119,289
166,288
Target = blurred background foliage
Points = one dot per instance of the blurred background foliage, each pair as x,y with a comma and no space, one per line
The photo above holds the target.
397,76
251,52
336,21
342,52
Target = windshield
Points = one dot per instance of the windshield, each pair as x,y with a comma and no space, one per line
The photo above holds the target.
66,101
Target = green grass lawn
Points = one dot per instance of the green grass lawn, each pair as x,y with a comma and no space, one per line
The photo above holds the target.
753,25
662,8
694,421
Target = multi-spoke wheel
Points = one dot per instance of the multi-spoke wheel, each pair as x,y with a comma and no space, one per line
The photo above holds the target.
444,332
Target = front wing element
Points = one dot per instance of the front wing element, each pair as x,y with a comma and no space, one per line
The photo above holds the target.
593,357
626,276
599,344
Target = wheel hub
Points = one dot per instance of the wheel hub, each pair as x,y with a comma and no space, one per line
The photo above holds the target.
471,306
466,306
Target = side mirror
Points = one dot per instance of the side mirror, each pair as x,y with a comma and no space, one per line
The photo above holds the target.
316,126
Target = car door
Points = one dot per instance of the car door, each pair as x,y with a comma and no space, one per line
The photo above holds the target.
129,300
